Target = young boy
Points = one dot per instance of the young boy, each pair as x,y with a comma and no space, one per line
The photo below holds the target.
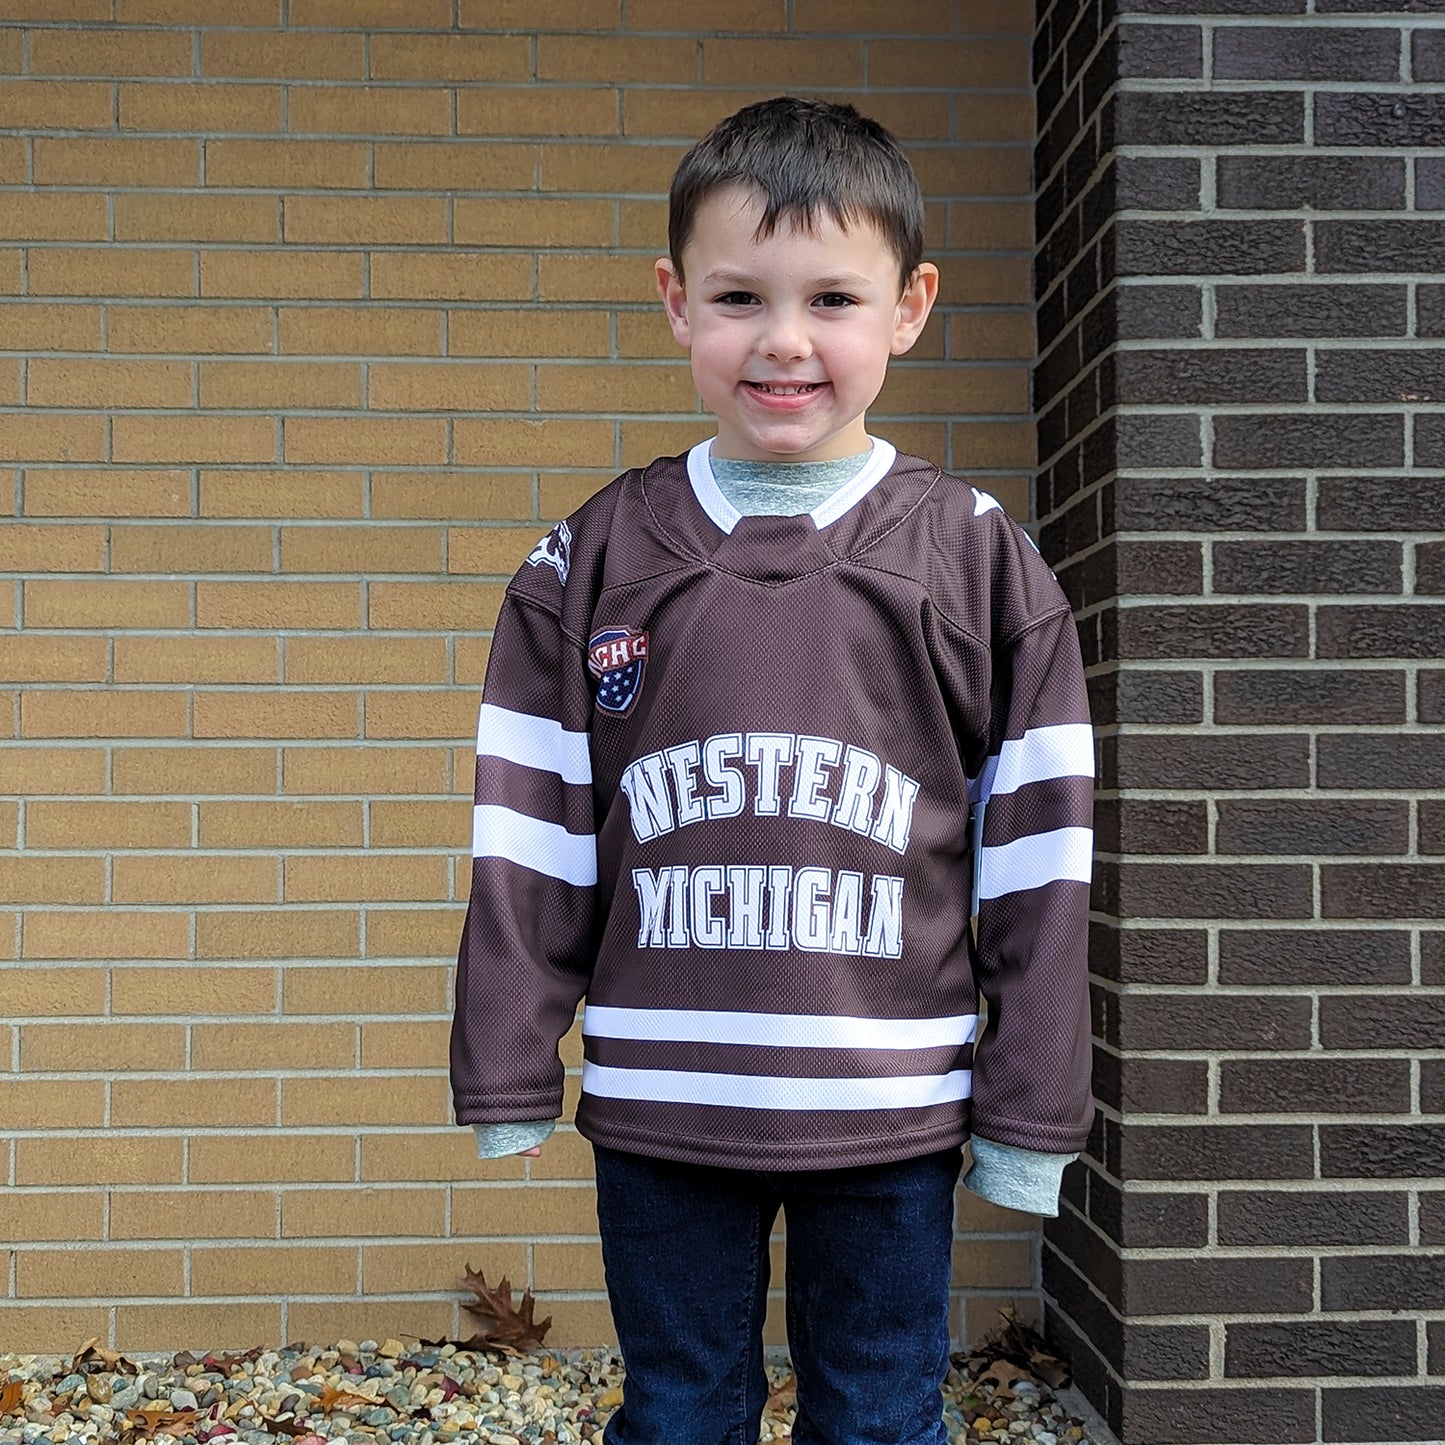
740,709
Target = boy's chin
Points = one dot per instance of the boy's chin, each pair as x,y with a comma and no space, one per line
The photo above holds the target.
790,445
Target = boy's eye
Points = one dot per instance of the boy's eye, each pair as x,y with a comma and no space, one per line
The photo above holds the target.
736,298
835,299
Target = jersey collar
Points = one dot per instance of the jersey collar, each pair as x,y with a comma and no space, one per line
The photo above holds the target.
725,516
683,500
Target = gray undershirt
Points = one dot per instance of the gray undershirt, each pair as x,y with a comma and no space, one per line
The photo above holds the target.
783,489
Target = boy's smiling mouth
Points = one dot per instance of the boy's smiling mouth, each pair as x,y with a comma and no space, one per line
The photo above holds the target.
790,388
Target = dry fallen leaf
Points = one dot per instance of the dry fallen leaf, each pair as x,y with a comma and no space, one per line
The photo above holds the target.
9,1397
226,1363
92,1354
285,1427
504,1325
156,1418
332,1398
1019,1346
1050,1369
783,1396
999,1377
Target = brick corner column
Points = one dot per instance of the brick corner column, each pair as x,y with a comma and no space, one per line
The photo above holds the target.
1242,490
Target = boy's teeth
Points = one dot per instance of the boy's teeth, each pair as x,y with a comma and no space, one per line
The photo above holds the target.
785,390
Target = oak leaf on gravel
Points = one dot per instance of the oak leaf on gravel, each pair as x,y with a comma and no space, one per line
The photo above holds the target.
504,1325
92,1355
154,1418
783,1396
1013,1353
332,1398
292,1427
222,1364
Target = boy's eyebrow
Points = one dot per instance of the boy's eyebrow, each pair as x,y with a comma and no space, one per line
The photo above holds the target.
724,277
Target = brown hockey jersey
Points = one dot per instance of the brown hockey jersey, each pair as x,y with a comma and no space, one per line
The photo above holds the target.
725,772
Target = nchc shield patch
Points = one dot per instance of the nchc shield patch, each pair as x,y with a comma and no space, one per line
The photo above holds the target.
617,657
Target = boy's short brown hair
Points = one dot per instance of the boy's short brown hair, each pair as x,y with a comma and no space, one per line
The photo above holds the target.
804,157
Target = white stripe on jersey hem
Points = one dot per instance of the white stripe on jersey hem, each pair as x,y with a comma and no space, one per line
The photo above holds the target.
534,742
802,1031
726,516
499,832
1035,860
1061,750
759,1091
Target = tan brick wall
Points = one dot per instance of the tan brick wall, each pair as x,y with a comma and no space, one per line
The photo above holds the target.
310,323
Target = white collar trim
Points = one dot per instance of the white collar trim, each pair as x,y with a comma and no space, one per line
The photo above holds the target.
726,516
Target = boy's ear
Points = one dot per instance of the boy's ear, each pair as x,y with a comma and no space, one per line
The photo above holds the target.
674,300
914,305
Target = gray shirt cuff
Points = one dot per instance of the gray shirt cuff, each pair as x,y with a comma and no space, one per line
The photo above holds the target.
1016,1178
496,1141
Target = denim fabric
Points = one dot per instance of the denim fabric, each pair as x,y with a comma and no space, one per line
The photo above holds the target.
685,1248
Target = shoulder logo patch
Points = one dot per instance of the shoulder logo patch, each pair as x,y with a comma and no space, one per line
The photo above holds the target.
555,551
617,657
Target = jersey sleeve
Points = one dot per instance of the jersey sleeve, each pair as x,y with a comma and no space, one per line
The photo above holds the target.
527,944
1033,810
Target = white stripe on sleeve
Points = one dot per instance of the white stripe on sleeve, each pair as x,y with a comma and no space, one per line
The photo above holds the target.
1037,859
534,742
802,1031
750,1091
1062,750
548,848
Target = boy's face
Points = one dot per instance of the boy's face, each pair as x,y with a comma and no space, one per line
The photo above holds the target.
790,334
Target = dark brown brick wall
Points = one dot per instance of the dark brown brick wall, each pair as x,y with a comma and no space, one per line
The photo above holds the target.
1242,488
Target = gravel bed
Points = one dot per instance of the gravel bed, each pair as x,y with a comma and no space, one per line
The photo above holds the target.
414,1395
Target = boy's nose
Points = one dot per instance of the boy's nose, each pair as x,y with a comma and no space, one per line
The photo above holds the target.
785,338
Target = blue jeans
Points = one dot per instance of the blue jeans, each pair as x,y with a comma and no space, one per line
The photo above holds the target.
685,1248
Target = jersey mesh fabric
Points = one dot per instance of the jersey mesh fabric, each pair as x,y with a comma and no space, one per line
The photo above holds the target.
754,488
918,636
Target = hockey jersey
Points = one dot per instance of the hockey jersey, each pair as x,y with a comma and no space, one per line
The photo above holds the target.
725,772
